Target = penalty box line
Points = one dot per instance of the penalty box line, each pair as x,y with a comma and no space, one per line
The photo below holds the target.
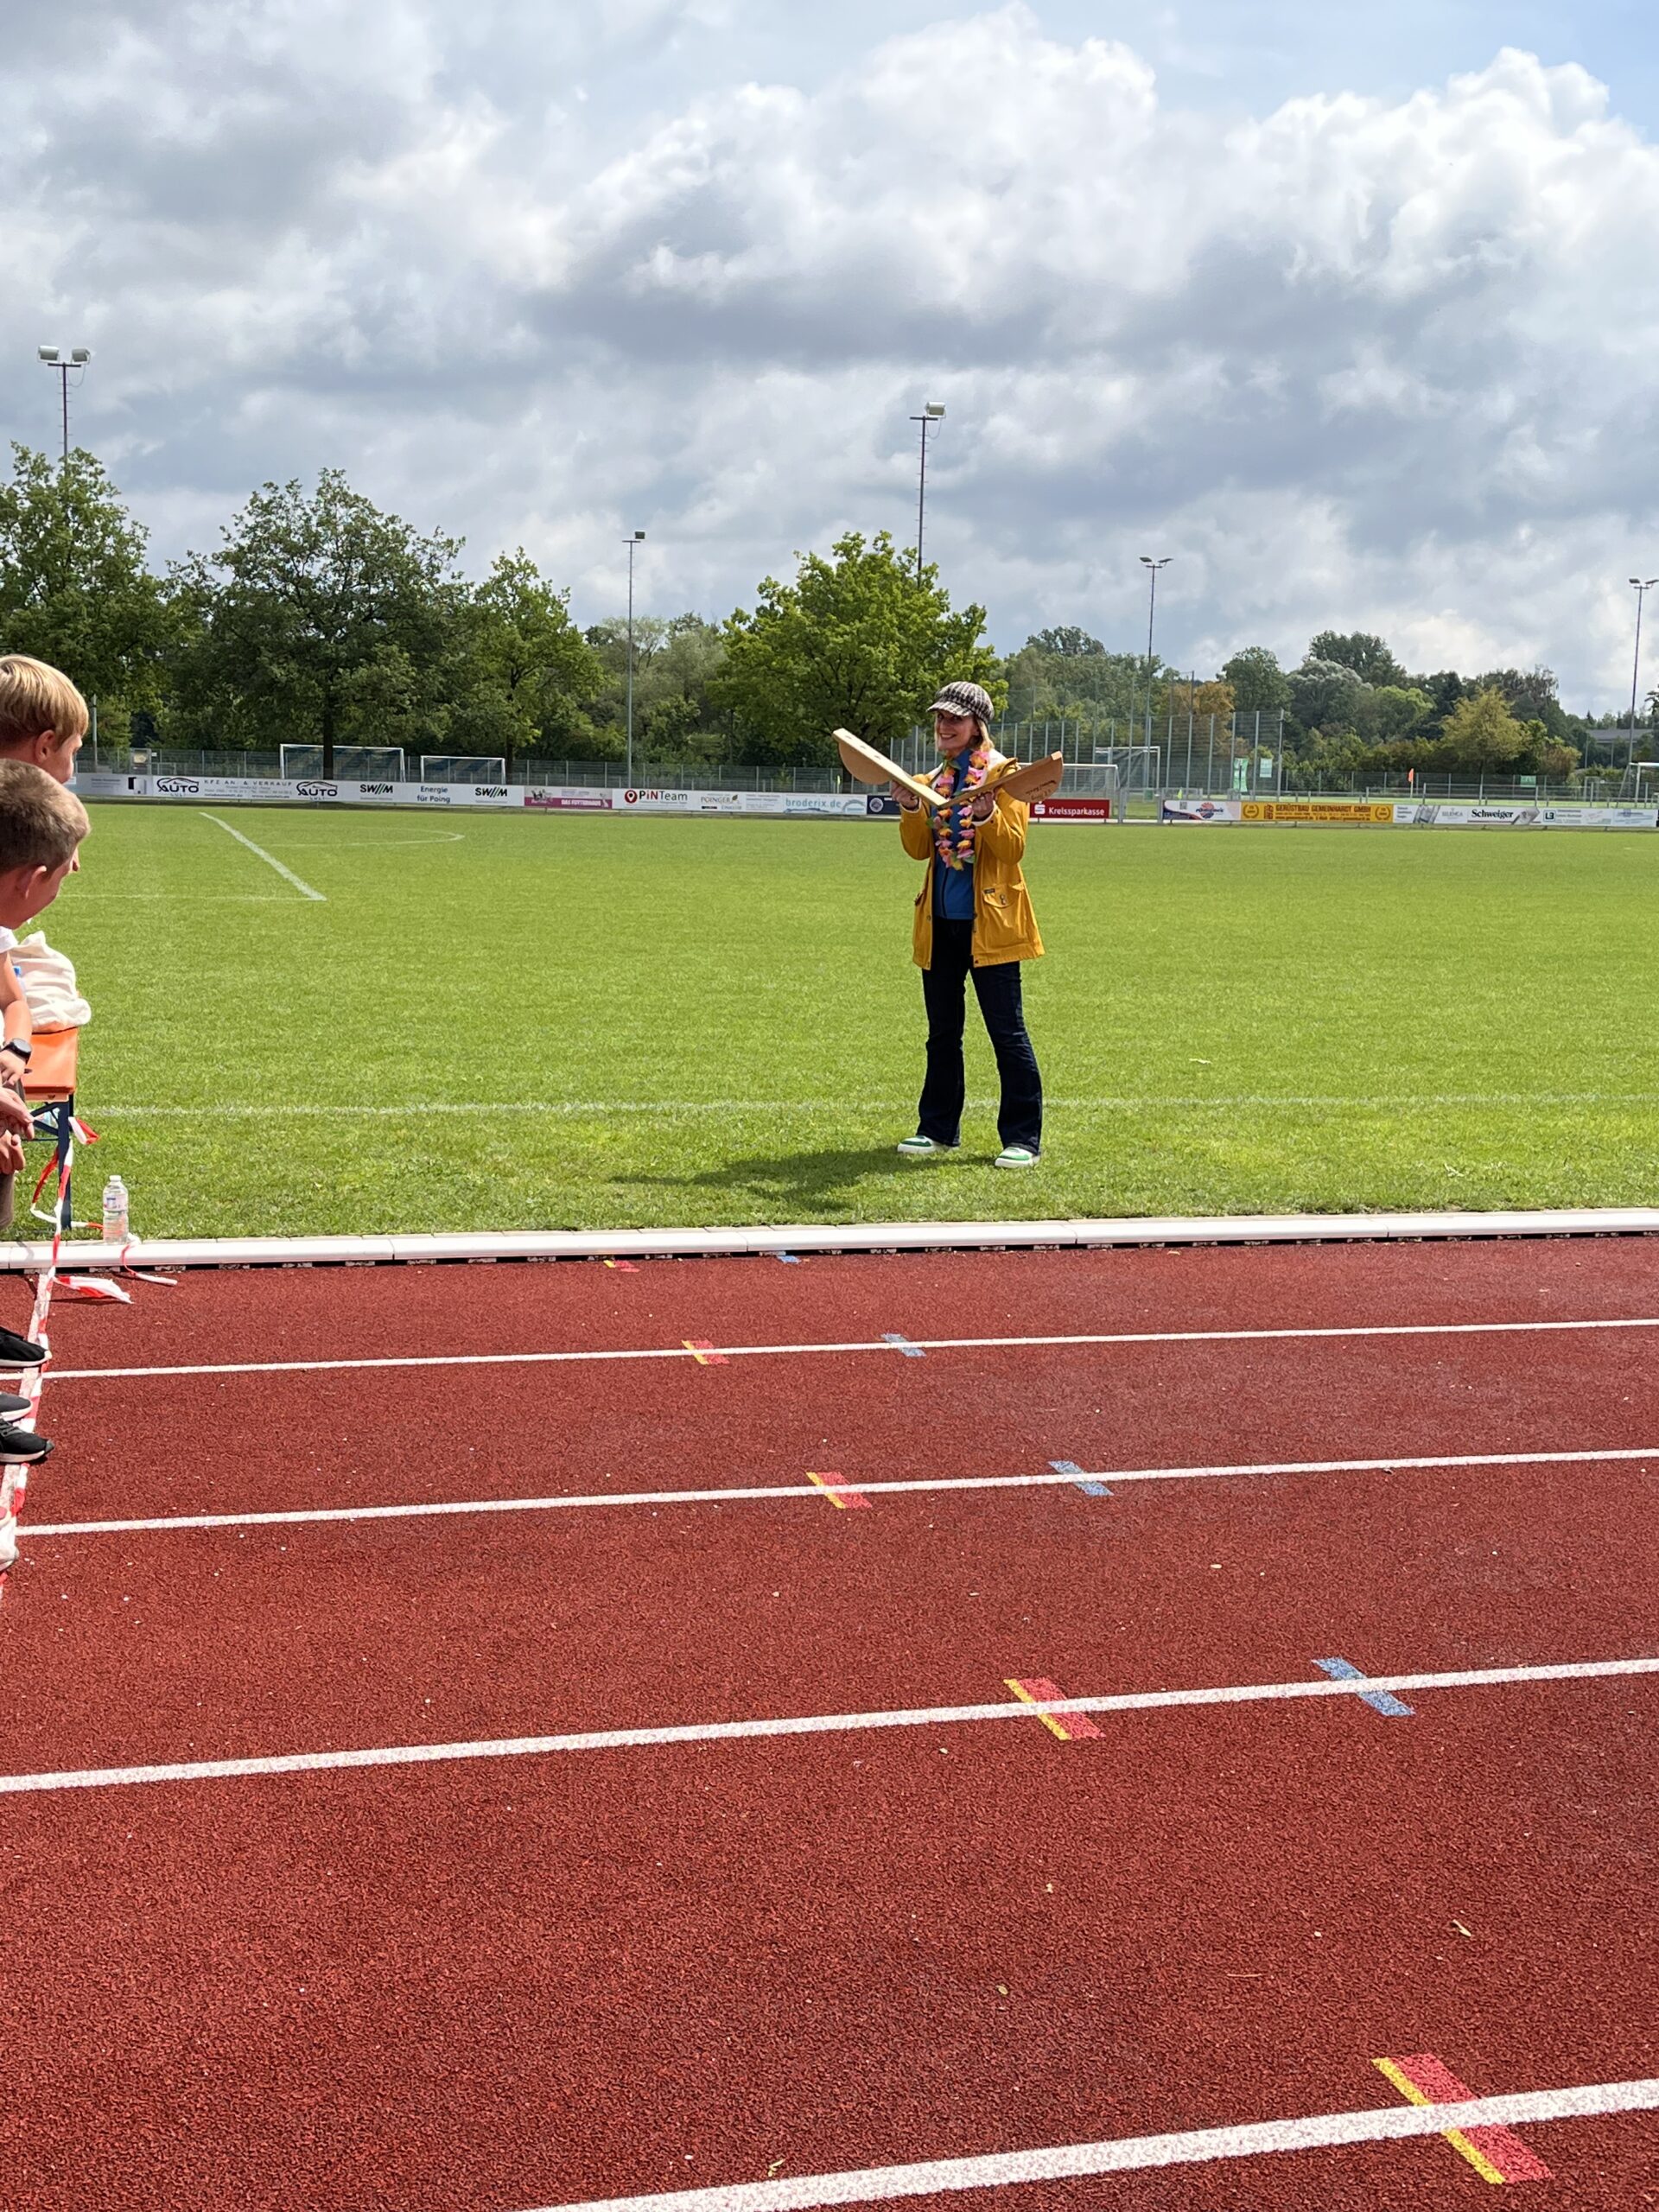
821,1724
1130,2154
888,1345
1051,1478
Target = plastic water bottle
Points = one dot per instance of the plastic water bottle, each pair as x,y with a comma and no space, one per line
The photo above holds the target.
116,1228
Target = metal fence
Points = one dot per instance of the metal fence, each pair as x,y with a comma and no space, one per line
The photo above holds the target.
592,775
1218,758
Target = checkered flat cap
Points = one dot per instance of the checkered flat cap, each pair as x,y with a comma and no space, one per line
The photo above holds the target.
964,699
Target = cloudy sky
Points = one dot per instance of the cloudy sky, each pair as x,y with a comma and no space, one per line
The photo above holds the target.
1354,312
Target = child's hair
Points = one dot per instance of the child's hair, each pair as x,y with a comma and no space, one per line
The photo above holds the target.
40,822
35,697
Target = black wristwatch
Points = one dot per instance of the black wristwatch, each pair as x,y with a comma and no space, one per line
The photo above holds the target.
25,1052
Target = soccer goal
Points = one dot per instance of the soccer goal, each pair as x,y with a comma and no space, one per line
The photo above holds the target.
463,768
357,763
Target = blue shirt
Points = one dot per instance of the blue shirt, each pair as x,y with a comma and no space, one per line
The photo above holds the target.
953,887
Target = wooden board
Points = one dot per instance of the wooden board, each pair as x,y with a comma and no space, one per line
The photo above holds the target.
1032,780
1027,779
867,766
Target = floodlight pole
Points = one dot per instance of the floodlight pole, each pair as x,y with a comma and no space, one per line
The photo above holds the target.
1642,588
1152,567
631,543
57,359
931,415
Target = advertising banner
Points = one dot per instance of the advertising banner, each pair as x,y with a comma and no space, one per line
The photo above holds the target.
641,800
1200,810
1454,814
1072,809
1352,811
575,798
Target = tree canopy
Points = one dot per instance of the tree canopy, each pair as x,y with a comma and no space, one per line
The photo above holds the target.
75,589
1260,685
322,619
1366,654
856,642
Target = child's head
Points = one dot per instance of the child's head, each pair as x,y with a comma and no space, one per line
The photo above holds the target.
42,716
41,828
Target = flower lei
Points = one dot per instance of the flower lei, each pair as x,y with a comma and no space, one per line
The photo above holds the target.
953,824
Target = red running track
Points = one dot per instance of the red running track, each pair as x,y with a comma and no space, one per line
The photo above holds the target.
518,1982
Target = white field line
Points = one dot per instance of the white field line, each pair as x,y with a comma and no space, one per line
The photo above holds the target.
269,859
860,1344
1413,1102
1133,2154
818,1723
745,1493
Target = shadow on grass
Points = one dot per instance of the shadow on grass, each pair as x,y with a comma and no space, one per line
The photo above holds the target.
819,1180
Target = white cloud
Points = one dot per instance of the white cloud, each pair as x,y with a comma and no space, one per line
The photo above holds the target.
1354,361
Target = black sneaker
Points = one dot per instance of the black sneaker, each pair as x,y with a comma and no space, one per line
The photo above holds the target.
20,1351
11,1404
21,1447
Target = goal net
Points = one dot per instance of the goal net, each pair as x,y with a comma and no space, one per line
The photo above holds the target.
463,768
358,764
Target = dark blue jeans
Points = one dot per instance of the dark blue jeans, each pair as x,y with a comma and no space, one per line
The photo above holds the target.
944,995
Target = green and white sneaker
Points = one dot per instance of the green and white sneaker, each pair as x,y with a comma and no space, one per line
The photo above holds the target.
923,1149
1016,1155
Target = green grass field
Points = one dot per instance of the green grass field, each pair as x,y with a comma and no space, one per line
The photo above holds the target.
517,1022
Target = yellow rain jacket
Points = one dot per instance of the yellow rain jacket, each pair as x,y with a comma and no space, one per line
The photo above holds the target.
1005,928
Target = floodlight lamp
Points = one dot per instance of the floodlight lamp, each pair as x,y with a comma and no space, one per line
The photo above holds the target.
935,411
638,536
81,355
50,354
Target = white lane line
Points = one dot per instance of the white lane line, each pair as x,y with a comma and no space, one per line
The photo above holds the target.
748,1492
269,859
816,1724
860,1344
1408,1102
1130,2154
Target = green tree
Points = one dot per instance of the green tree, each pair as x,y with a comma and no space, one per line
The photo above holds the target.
523,671
321,620
1260,685
75,588
855,642
1481,733
1325,695
1366,654
1389,713
1065,675
1533,696
675,663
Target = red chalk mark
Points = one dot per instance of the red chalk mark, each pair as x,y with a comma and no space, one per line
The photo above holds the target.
623,1266
1495,2153
849,1500
1070,1727
703,1353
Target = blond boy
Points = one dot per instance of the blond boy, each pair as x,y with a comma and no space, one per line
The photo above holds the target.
42,716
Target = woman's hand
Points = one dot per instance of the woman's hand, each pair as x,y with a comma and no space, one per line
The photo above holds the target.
984,806
905,797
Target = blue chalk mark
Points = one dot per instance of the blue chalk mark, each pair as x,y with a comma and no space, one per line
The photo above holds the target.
1382,1701
788,1259
903,1345
1085,1483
